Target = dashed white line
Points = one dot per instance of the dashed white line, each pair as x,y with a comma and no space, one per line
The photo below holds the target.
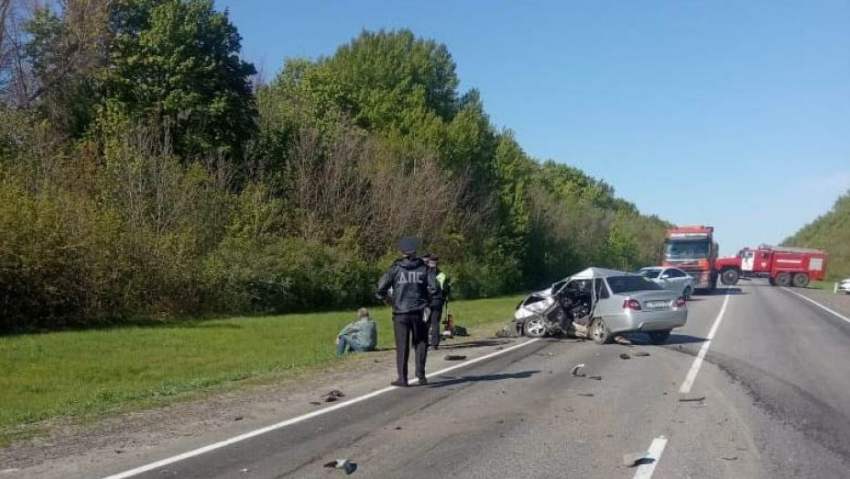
838,315
295,420
692,373
644,471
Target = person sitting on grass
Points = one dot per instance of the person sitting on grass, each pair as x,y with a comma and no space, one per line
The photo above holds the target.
361,335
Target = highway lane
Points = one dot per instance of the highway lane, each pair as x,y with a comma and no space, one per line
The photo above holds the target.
775,405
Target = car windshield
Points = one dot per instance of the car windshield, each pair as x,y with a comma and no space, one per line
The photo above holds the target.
649,273
678,250
628,284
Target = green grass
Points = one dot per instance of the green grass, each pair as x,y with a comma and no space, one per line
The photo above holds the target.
824,285
83,373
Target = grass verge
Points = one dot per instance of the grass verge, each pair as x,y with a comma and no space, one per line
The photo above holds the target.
84,373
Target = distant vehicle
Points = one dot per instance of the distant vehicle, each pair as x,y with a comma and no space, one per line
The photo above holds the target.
601,303
784,266
693,250
844,286
673,279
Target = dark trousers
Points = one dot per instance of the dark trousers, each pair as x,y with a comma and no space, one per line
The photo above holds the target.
434,316
407,327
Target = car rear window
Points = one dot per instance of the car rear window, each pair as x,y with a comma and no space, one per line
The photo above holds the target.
628,284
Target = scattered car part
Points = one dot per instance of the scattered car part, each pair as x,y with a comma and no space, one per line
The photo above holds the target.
637,458
575,371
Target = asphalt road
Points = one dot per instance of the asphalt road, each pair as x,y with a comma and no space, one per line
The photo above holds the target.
776,404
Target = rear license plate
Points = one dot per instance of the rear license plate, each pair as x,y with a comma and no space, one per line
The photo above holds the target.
656,304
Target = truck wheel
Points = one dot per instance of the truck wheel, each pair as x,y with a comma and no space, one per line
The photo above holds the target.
729,277
801,280
600,332
534,327
688,293
783,279
659,337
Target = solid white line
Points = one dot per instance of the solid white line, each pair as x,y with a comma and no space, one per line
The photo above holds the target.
295,420
644,471
838,315
692,373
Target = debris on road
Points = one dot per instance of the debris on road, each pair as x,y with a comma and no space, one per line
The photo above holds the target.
622,340
245,471
315,403
586,395
336,393
398,428
691,398
625,356
505,332
344,464
455,357
238,418
642,353
575,371
730,458
596,378
637,458
331,399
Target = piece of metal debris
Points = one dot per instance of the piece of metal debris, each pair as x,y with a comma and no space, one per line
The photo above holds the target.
455,357
637,458
331,399
691,398
244,471
625,356
238,418
587,395
346,465
730,458
575,371
596,378
398,428
336,393
642,353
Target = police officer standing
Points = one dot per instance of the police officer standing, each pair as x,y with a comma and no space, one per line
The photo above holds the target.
438,300
413,284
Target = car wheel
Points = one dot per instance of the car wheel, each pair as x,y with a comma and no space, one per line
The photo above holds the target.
599,332
534,327
729,277
659,337
783,279
801,280
688,293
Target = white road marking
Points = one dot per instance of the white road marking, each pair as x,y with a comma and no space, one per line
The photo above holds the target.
692,373
644,471
838,315
295,420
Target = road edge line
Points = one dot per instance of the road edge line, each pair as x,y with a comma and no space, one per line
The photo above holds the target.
837,314
257,432
695,366
644,471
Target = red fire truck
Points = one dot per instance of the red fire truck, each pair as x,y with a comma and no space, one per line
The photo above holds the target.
784,266
693,250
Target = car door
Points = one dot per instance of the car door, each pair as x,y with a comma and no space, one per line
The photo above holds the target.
666,281
676,279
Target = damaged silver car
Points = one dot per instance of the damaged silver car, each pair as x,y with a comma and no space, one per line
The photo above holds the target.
599,304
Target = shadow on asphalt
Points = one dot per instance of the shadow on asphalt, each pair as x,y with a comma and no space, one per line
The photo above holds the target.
484,378
640,339
481,343
720,292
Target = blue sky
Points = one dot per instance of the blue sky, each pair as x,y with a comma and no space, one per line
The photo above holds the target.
732,114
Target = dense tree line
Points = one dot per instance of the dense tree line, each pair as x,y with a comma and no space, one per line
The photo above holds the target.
830,232
146,172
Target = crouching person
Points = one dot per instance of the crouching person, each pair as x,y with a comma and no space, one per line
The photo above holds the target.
361,335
